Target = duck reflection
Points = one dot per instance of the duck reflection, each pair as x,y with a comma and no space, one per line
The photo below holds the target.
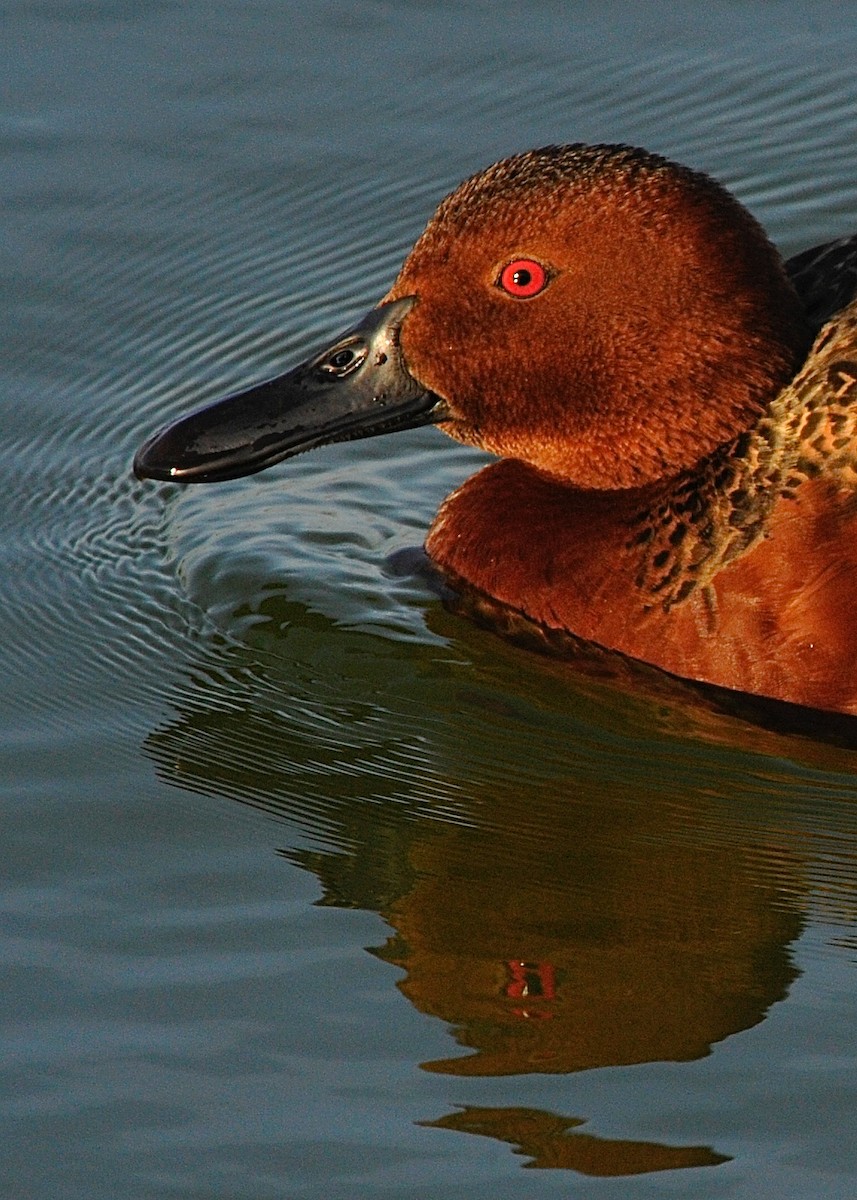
546,1139
587,934
561,902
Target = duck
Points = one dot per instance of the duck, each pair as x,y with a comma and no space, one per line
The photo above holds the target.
670,404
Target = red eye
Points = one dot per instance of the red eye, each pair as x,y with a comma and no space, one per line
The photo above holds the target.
522,278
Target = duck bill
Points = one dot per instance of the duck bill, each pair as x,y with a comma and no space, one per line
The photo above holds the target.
357,387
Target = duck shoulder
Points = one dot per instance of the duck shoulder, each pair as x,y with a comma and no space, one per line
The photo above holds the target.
713,513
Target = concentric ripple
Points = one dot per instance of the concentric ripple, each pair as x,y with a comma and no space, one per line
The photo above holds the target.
169,295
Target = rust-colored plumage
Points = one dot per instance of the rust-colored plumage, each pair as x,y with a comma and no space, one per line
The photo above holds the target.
680,475
667,326
674,408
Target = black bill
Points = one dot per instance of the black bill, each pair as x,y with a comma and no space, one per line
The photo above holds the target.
358,387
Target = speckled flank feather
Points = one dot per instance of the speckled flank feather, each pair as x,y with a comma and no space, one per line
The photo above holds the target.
719,510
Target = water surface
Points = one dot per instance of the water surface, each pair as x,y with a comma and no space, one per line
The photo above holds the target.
311,888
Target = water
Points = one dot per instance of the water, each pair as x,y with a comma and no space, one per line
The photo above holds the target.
310,888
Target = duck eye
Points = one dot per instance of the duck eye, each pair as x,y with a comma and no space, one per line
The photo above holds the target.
523,278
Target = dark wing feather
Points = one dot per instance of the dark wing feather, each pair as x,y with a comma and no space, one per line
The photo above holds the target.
825,278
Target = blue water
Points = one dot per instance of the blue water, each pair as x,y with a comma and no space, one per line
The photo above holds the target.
310,888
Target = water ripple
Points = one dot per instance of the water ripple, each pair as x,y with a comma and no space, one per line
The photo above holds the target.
167,299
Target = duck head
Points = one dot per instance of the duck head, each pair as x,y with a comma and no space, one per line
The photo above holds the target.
597,312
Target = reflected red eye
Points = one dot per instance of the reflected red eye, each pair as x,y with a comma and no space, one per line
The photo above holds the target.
522,278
